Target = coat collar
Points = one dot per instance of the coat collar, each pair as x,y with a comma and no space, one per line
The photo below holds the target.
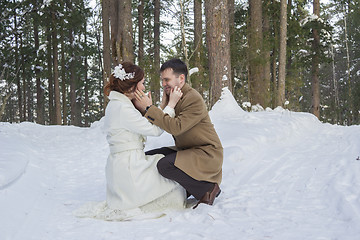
186,88
114,95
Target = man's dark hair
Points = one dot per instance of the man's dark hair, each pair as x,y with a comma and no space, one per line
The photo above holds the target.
178,66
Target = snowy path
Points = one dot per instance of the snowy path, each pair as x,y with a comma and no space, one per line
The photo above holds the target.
285,176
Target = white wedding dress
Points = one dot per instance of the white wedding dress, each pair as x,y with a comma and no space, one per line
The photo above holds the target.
134,185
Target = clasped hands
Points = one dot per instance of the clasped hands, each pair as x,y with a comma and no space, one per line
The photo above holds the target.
143,100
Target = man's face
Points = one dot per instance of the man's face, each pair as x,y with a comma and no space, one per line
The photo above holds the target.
170,80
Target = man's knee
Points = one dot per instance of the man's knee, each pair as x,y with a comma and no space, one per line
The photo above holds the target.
166,164
162,166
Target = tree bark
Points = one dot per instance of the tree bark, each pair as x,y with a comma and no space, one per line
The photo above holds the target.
63,82
25,84
231,7
127,31
183,38
121,31
50,77
348,70
73,105
255,53
267,55
141,33
17,65
315,86
155,81
86,88
106,45
39,89
197,80
218,43
56,70
282,53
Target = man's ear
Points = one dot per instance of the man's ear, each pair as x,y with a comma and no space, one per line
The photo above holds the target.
182,78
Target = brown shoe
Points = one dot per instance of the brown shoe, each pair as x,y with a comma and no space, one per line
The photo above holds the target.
210,196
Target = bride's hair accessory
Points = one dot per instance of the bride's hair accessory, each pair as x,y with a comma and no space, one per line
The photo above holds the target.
120,73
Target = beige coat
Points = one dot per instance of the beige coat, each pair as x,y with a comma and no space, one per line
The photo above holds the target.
200,153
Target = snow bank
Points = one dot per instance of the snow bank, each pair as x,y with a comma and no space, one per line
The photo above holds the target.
14,158
285,176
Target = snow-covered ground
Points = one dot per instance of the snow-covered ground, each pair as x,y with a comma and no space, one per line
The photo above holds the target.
285,176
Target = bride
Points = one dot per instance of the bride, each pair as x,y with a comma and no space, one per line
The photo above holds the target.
132,177
133,181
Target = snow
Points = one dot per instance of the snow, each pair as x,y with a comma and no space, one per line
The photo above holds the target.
285,176
193,70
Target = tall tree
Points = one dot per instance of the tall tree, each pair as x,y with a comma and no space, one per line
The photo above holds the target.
106,6
218,43
282,53
56,68
231,8
155,81
315,84
50,76
121,31
267,53
141,32
256,53
39,88
198,47
73,105
17,67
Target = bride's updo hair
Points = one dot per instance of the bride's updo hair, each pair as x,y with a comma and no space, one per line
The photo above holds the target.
133,75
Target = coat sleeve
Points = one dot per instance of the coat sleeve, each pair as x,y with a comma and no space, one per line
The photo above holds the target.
192,111
135,122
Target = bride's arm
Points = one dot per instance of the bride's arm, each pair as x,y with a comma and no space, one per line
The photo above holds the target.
135,122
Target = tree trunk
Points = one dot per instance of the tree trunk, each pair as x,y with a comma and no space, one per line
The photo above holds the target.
349,97
282,53
39,90
141,33
106,44
183,38
50,77
127,32
114,12
73,105
267,56
86,88
255,53
63,82
17,64
218,42
335,88
155,81
121,31
315,86
231,7
56,71
25,85
197,80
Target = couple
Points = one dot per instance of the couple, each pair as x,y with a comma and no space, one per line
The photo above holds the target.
168,175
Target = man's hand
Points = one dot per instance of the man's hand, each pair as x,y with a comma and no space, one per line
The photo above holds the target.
175,96
142,100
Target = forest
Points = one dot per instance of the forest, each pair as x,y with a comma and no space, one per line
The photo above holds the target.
301,55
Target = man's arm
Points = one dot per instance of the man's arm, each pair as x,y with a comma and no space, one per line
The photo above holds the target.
192,110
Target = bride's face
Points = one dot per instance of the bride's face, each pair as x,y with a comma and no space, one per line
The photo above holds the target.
140,85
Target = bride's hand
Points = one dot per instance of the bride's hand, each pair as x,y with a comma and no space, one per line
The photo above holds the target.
142,100
175,96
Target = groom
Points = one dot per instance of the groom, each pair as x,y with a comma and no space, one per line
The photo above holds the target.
196,164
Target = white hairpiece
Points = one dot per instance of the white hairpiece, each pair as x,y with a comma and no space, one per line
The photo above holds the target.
120,73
